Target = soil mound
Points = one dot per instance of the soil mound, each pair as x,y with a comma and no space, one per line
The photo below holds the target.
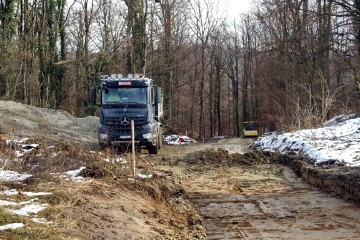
221,157
21,120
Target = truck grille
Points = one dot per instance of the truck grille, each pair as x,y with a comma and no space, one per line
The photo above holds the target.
119,121
116,125
124,129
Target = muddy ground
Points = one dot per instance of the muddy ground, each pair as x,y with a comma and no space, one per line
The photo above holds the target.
216,190
256,196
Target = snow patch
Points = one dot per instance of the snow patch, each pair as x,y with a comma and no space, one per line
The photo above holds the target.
41,220
144,176
74,174
337,142
29,194
29,209
8,176
11,226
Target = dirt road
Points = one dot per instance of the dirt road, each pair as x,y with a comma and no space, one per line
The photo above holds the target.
261,201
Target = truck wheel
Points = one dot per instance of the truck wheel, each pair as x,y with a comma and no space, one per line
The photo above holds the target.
102,146
152,149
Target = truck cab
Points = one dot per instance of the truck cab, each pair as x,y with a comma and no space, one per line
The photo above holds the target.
123,99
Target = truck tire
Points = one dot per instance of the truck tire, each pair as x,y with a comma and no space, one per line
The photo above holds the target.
102,146
153,149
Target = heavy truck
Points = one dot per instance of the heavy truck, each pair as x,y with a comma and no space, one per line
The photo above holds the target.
122,99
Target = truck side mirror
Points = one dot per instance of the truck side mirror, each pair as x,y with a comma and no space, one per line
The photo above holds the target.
93,96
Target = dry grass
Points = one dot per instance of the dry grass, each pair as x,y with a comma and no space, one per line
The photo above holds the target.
46,166
106,174
31,230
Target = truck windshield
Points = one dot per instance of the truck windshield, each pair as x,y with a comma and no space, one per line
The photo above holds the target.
124,96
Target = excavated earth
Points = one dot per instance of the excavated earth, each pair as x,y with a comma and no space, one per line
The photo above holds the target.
216,190
257,195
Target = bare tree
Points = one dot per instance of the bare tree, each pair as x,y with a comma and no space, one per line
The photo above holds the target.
171,15
232,69
204,22
137,15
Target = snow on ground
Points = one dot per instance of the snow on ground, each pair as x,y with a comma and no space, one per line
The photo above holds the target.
24,148
74,174
9,176
9,203
41,220
8,197
11,226
30,209
337,142
25,208
29,194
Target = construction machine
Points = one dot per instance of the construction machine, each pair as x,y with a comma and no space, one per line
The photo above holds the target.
249,130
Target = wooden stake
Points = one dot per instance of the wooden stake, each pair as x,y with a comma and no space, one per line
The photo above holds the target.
133,147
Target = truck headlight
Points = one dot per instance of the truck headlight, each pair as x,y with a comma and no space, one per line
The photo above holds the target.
147,136
103,136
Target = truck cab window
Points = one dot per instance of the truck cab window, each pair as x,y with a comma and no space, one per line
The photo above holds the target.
124,95
133,95
112,96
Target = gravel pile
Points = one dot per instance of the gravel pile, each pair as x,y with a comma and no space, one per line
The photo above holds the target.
19,120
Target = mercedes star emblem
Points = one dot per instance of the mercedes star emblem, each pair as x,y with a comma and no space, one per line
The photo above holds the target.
124,121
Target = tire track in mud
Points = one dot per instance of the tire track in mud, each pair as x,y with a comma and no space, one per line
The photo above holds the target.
268,201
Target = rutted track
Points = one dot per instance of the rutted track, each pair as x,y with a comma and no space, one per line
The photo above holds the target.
263,201
269,202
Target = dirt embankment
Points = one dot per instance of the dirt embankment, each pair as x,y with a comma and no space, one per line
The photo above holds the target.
344,181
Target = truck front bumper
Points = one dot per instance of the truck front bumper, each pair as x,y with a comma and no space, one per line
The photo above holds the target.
143,136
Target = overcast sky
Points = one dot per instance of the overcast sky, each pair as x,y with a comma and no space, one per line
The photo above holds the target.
235,7
232,8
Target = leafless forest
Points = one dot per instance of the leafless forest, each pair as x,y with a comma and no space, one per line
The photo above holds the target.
287,64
